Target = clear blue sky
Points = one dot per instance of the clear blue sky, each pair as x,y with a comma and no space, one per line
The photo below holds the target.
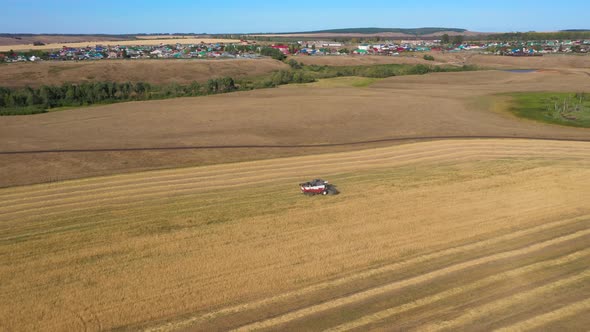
226,16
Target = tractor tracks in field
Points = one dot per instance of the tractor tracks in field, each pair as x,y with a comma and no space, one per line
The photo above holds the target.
537,322
362,295
294,146
144,186
356,297
474,286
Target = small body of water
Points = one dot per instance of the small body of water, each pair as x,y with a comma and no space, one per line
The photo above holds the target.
521,71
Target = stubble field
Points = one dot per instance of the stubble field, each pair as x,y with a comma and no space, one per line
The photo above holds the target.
444,235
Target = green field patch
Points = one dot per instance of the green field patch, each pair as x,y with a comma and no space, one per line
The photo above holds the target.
568,109
343,82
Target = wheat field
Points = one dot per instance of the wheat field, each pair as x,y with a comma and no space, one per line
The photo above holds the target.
444,235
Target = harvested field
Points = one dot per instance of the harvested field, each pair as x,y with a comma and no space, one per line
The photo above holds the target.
151,71
550,61
59,45
27,41
446,235
360,60
445,104
461,58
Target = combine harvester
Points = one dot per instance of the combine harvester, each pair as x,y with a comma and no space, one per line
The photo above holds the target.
318,187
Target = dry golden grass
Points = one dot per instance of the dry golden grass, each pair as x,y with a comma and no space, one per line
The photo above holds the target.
338,82
398,107
561,62
152,71
360,60
54,46
26,41
550,61
449,234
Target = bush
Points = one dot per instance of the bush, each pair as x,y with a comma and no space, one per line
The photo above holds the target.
21,110
294,64
428,57
273,53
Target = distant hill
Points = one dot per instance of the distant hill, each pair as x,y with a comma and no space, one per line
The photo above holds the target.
371,31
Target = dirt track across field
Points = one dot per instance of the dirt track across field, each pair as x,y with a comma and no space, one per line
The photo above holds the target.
326,145
439,235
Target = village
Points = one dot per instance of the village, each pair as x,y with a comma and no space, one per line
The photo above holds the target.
252,50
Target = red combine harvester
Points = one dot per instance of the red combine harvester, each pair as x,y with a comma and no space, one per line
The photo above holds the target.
317,187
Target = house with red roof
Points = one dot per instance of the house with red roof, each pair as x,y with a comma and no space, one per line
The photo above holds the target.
282,48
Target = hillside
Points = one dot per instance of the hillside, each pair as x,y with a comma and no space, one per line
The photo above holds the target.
415,31
425,33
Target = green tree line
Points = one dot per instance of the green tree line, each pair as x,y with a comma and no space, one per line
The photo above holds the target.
29,100
380,71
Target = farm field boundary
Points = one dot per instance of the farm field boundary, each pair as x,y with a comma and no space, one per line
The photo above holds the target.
385,140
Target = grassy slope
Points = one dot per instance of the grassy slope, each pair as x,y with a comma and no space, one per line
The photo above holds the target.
342,82
156,71
417,31
178,244
540,106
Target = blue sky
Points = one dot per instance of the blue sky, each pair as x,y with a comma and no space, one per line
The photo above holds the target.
227,16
